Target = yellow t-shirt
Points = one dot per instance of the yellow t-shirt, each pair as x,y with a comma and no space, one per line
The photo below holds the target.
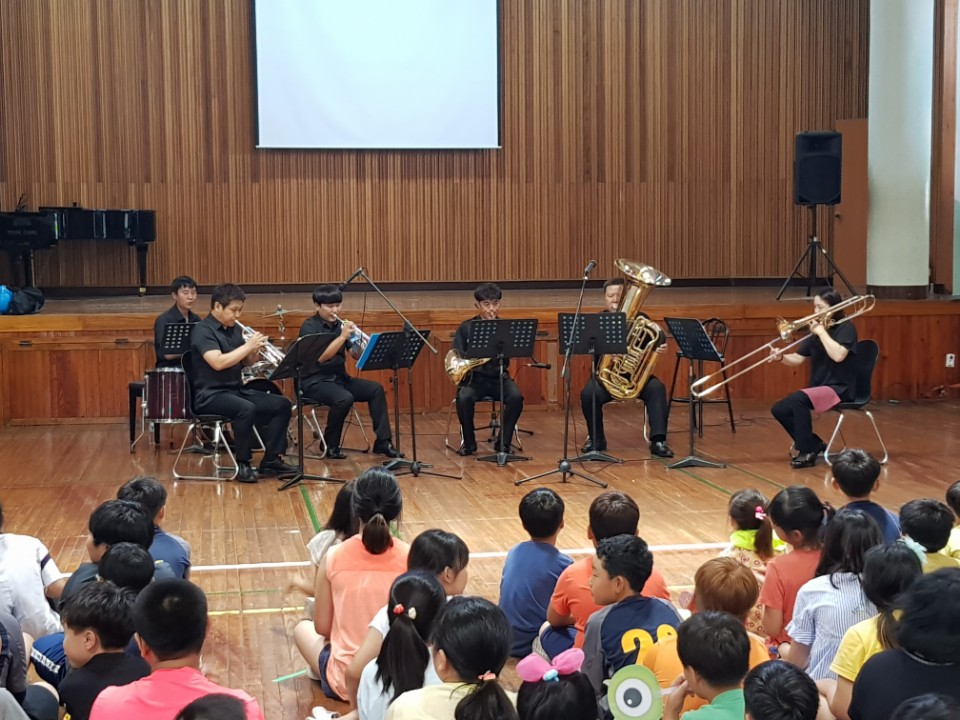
952,548
936,561
860,643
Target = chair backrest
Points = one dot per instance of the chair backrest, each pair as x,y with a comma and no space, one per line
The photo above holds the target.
868,352
719,333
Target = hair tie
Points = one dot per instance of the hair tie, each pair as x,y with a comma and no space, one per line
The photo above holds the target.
759,514
551,675
826,516
919,550
398,609
487,677
534,668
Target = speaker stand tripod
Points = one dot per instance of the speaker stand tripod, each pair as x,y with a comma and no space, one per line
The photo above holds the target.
809,257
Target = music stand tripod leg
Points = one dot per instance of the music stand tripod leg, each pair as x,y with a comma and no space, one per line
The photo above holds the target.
501,457
411,467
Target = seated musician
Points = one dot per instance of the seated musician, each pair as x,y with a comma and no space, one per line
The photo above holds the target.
484,381
833,377
184,292
654,394
328,382
219,353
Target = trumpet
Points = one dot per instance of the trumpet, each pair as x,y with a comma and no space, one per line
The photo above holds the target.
271,354
852,307
358,338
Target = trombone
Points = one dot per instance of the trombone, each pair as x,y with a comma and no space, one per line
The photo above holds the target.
852,307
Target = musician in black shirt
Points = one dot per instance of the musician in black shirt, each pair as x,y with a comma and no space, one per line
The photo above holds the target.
328,382
184,292
653,394
831,348
484,381
219,353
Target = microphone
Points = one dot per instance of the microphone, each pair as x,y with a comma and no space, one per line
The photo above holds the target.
539,365
356,273
590,266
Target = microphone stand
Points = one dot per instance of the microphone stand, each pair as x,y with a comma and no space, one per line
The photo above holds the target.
563,465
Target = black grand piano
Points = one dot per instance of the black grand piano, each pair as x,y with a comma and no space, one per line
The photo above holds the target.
23,233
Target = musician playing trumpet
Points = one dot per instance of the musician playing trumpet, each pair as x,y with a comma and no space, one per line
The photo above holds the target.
831,349
219,352
327,380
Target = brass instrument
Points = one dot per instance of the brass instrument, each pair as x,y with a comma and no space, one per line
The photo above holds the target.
852,307
358,338
271,354
457,366
625,375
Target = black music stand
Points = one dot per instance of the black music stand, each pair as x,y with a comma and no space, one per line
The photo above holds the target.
176,338
300,353
694,345
392,351
501,339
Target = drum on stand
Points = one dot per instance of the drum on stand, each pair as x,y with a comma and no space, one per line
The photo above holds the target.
165,395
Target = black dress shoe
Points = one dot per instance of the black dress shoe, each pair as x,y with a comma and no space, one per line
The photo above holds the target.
247,474
804,460
591,446
466,450
661,449
335,453
821,448
385,447
277,466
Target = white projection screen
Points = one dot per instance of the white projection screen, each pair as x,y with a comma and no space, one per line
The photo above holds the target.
389,74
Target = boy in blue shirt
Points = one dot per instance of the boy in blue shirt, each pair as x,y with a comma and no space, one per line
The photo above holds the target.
619,633
531,569
856,475
715,651
171,549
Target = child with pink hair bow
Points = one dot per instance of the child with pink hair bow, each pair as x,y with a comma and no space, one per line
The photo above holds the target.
555,689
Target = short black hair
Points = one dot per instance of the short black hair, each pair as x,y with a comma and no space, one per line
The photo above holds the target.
118,521
215,706
436,550
145,490
182,281
170,616
104,608
931,706
541,512
327,295
927,521
613,513
831,297
128,566
225,294
953,499
777,690
930,625
626,556
487,291
716,645
856,472
614,281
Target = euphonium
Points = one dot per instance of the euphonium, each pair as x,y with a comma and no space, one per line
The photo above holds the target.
457,366
625,375
270,353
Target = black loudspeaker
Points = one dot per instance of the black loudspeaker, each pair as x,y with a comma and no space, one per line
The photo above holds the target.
816,168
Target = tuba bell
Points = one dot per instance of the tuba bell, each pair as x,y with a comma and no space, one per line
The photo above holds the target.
624,376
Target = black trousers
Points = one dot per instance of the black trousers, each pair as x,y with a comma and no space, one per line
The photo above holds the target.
467,396
339,395
794,412
248,408
654,396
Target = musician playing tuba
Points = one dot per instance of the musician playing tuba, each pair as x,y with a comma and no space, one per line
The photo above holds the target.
327,380
653,393
484,380
831,348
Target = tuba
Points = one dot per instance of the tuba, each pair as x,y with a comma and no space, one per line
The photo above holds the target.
457,366
625,375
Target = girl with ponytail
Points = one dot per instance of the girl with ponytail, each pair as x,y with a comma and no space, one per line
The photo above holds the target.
470,644
404,660
352,580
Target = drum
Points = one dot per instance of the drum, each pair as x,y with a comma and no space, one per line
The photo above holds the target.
263,385
165,395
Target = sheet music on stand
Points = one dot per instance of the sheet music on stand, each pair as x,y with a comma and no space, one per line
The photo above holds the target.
389,350
510,338
176,338
596,333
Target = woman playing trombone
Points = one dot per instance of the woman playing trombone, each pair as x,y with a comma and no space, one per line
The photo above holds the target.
830,348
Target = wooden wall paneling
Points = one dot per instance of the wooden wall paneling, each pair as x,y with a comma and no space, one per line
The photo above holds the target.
944,142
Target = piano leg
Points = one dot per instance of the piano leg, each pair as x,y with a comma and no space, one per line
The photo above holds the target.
142,266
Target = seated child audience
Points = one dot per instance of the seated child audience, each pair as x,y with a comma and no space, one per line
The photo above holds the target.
470,644
31,579
720,584
555,689
531,568
36,700
415,599
799,518
888,571
833,601
928,657
752,543
611,513
98,624
171,549
778,690
928,707
440,553
621,567
928,523
341,524
215,706
855,474
353,579
715,651
170,619
952,548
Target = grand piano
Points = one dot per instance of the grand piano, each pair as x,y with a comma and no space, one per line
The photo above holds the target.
23,233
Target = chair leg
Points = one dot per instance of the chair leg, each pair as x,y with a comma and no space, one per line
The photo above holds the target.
218,442
446,437
833,437
886,455
363,431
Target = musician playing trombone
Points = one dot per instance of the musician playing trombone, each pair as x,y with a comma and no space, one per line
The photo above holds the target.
327,380
831,349
219,352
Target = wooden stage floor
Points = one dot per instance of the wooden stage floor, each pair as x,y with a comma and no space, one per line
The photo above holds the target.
248,539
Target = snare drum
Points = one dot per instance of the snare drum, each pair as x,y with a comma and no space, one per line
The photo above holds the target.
165,395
